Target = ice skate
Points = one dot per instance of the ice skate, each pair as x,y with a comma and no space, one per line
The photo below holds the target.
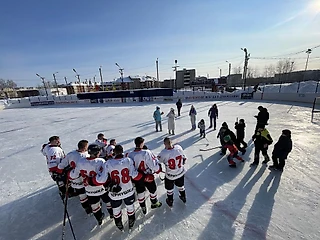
156,205
169,202
183,198
100,221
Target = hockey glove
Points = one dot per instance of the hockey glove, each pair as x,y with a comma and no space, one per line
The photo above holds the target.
149,178
56,176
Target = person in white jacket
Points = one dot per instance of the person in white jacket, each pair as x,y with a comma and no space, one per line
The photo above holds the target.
192,114
171,121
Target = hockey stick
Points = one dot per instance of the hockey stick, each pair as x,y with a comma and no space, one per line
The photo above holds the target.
208,149
66,214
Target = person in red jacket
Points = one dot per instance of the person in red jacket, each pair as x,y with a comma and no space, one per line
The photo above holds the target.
233,151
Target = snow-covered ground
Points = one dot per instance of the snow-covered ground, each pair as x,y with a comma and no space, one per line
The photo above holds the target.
222,203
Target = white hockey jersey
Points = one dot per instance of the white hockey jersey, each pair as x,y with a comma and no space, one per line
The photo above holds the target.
145,161
103,145
71,160
89,168
109,150
54,155
120,171
174,160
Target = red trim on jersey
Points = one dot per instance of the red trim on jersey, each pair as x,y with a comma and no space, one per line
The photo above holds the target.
137,150
54,169
170,148
90,158
138,177
59,170
94,181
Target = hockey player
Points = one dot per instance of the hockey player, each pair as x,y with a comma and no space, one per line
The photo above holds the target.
88,168
147,164
174,159
121,170
54,154
102,143
171,121
202,127
70,162
262,140
109,149
281,150
233,151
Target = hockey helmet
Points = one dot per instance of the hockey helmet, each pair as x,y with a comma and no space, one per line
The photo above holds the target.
224,124
227,138
157,107
94,149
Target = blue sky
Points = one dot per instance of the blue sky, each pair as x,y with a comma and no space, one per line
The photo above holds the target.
56,36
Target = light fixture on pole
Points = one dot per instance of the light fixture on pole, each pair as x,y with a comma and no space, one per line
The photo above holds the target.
219,72
245,68
44,84
229,64
77,75
121,74
175,68
307,52
55,82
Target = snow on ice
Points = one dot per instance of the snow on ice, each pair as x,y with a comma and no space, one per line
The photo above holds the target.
222,203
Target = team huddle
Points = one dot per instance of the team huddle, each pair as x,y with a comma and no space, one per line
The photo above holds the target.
102,171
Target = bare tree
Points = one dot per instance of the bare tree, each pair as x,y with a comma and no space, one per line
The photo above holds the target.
269,71
237,70
7,84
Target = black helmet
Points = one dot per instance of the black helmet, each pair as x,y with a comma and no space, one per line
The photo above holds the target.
94,149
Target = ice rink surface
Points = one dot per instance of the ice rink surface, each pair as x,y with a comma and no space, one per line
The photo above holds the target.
222,203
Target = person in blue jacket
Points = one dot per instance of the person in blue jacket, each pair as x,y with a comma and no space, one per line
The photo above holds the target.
157,118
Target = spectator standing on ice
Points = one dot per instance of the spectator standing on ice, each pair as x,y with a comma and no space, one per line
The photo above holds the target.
281,150
171,121
192,114
213,115
262,117
157,118
179,106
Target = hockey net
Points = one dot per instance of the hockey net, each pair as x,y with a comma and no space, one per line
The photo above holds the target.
315,115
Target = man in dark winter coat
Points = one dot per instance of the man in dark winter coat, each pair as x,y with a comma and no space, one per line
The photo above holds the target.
224,131
281,150
262,117
179,106
213,115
